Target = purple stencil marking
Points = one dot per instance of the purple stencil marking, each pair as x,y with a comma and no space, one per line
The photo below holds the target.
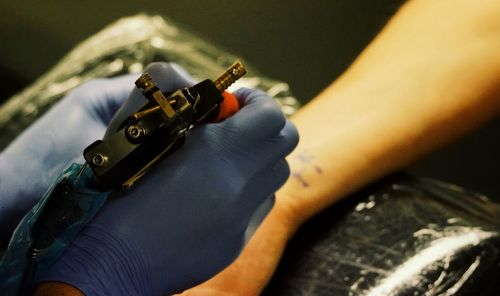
301,179
318,169
307,160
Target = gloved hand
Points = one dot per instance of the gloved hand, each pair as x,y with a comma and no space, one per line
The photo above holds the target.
30,164
186,219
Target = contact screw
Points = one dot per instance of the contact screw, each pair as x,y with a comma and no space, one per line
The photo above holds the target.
145,82
232,74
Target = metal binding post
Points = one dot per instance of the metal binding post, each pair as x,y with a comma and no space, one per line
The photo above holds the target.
232,74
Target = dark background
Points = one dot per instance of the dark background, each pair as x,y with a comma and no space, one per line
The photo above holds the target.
306,43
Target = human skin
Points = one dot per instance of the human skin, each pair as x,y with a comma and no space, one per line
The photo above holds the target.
431,76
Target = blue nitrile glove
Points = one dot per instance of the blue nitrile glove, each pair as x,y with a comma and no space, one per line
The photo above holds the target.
186,219
30,164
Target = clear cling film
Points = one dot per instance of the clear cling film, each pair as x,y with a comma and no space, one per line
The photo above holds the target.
402,236
48,228
128,46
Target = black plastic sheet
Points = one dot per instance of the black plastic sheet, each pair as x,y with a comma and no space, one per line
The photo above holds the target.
403,236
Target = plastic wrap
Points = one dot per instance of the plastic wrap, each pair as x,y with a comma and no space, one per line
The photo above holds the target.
126,46
73,201
405,236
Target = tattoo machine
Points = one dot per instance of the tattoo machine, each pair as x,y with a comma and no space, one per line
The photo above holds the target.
118,161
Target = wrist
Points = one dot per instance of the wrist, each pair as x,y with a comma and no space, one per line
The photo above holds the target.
286,215
295,201
309,190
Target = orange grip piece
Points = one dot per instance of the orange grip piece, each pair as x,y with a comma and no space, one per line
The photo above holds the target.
228,107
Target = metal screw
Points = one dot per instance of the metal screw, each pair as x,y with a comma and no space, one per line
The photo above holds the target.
135,131
181,132
144,81
99,160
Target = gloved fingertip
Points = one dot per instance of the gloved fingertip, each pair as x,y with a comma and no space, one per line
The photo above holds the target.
283,170
259,120
183,73
259,102
247,96
127,79
291,133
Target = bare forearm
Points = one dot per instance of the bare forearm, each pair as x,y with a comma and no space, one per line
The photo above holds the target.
432,75
427,79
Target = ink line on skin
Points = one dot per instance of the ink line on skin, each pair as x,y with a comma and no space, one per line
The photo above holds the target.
306,161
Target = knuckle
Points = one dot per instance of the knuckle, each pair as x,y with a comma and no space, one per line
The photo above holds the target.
245,95
250,95
160,68
291,134
271,111
283,171
242,92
